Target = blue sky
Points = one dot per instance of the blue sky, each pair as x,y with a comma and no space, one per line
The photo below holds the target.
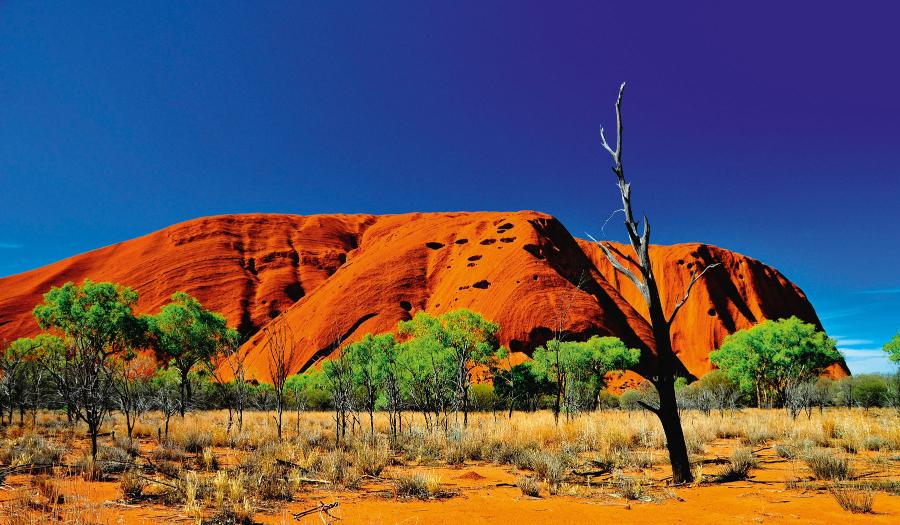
775,136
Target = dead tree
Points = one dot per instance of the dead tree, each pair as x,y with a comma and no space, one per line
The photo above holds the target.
236,391
640,272
281,349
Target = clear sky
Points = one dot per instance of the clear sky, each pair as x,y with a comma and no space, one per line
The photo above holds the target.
763,127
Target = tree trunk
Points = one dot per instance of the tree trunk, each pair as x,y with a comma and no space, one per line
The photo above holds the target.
671,423
184,393
93,431
665,387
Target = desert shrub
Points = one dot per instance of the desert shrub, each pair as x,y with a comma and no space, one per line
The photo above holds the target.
132,485
695,445
505,453
529,486
420,485
33,450
854,500
371,461
825,464
168,453
785,451
230,500
455,455
127,445
638,459
193,489
336,468
550,467
758,434
630,487
739,465
88,469
193,440
112,460
207,460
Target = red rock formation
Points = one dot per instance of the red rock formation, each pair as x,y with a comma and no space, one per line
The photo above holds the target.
248,267
351,274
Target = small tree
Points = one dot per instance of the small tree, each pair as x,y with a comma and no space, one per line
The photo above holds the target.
515,384
281,350
772,356
98,323
186,334
871,390
579,369
132,375
892,348
338,375
14,363
236,391
166,394
471,339
428,378
370,370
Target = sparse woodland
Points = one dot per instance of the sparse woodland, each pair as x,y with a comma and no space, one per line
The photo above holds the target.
397,416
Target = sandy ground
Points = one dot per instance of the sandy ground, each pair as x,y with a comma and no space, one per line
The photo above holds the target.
479,499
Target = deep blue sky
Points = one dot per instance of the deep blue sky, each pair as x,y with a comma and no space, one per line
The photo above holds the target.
770,129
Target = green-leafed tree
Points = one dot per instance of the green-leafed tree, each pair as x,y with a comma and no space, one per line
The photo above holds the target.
892,348
185,334
22,377
516,386
14,360
427,378
577,370
471,339
369,368
771,356
98,323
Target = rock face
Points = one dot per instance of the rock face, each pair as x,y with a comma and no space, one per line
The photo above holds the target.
341,276
738,294
247,267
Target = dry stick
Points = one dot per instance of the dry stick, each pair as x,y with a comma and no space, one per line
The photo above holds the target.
321,507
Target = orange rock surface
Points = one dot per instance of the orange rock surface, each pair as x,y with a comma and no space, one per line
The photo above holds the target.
345,275
247,267
737,294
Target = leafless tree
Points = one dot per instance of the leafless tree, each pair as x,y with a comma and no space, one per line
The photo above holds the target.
166,399
131,386
84,380
235,391
281,349
638,269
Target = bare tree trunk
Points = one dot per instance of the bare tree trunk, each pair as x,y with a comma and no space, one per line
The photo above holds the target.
640,272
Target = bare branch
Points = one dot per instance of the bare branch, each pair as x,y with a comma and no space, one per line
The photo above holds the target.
622,255
687,292
649,407
602,228
606,144
620,267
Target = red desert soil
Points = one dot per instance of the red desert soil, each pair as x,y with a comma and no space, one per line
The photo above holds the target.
345,275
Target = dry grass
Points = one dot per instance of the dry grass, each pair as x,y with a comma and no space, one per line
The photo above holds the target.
420,485
529,486
854,500
827,465
199,469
